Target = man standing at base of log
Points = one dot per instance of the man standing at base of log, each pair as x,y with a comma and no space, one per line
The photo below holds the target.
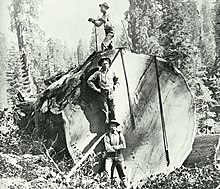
114,142
104,82
106,20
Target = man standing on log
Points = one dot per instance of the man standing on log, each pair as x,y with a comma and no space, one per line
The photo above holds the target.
104,82
114,144
106,20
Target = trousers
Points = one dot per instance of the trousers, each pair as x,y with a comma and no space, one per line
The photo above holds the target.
107,40
107,105
114,162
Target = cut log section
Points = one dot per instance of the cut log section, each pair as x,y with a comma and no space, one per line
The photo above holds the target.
205,151
84,121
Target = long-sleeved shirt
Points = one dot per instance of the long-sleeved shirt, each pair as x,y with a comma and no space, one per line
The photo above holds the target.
107,20
105,80
108,25
114,143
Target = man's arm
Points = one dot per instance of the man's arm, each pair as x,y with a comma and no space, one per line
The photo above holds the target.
97,23
108,146
91,81
122,144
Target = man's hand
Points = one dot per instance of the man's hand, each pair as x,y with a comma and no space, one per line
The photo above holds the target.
102,20
91,20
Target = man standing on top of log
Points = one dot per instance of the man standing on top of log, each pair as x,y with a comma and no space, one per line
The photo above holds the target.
114,142
104,82
106,20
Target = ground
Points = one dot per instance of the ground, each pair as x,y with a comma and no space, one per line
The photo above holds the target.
30,171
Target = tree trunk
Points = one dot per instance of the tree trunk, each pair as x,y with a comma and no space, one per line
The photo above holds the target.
24,78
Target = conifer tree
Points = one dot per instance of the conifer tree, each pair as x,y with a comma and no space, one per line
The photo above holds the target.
24,14
3,60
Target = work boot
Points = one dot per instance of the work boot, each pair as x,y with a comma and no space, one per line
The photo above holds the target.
103,47
110,46
123,183
113,182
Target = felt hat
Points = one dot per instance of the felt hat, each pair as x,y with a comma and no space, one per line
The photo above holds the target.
104,5
113,121
102,59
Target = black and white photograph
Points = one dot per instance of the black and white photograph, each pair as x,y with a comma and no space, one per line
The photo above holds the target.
110,94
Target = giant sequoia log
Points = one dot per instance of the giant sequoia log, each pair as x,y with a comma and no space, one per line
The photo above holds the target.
84,121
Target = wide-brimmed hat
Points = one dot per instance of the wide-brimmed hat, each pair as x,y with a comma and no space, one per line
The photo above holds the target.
114,122
104,5
102,59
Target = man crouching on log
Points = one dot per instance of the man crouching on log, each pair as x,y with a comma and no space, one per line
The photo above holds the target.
106,83
114,142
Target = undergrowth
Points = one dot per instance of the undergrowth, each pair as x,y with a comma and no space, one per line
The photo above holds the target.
28,160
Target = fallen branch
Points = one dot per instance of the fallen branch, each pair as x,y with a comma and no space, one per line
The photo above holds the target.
84,158
48,155
55,140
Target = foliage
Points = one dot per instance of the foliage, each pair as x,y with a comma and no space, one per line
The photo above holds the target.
206,177
28,160
208,116
174,29
3,60
54,53
143,19
217,31
81,52
165,28
208,40
24,15
40,58
182,35
12,74
37,170
122,41
8,131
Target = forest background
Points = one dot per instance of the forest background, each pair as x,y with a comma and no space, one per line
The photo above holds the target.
184,32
